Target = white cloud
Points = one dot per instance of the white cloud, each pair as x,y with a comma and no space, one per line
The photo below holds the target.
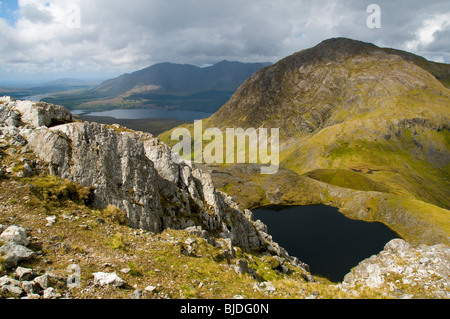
426,34
119,36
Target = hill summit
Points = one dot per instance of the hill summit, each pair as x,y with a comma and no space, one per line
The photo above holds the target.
366,121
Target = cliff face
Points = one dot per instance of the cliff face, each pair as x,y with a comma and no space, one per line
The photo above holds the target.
130,170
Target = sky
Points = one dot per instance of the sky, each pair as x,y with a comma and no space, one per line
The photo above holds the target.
51,39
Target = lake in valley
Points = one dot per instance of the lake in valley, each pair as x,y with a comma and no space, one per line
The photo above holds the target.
136,114
320,236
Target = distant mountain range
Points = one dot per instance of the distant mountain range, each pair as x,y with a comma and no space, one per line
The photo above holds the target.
165,85
41,89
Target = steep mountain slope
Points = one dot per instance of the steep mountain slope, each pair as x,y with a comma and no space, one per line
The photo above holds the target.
73,193
166,85
354,116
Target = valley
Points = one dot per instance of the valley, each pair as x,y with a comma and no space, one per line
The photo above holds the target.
363,130
164,85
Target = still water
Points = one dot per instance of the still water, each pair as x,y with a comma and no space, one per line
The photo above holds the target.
330,243
135,114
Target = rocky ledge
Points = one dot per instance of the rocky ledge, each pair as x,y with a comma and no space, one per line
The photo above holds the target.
137,173
404,271
133,171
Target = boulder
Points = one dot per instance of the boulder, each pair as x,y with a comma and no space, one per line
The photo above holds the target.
137,294
40,114
108,279
43,281
14,254
25,274
401,266
51,293
16,235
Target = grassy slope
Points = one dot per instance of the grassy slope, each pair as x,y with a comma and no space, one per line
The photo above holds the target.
100,241
386,131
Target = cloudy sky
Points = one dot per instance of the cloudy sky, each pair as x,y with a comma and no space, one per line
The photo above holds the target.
49,39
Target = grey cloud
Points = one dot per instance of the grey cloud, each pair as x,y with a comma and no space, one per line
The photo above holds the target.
124,36
35,14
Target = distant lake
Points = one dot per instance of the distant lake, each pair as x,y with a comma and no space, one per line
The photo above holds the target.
136,114
330,243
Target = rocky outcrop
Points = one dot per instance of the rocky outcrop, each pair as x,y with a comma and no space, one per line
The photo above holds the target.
13,249
133,171
404,271
36,114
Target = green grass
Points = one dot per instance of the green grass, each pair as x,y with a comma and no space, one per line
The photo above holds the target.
347,179
55,192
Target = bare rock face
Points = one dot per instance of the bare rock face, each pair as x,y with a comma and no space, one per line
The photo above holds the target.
133,171
402,269
37,114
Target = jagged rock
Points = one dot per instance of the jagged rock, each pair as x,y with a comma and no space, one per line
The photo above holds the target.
200,232
241,266
14,254
108,279
11,286
28,287
188,247
15,291
401,265
5,280
137,294
265,286
150,288
15,234
40,114
18,140
132,171
229,252
43,281
25,274
51,293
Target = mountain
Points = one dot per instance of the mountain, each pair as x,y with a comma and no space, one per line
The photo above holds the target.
167,85
362,128
68,82
59,86
99,211
173,78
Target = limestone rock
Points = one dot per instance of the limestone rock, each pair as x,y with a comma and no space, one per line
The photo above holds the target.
24,273
137,294
42,114
43,281
15,253
402,267
16,235
134,172
51,293
108,279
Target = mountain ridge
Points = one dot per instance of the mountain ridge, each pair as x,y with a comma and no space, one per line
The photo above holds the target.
166,84
182,78
58,173
354,116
